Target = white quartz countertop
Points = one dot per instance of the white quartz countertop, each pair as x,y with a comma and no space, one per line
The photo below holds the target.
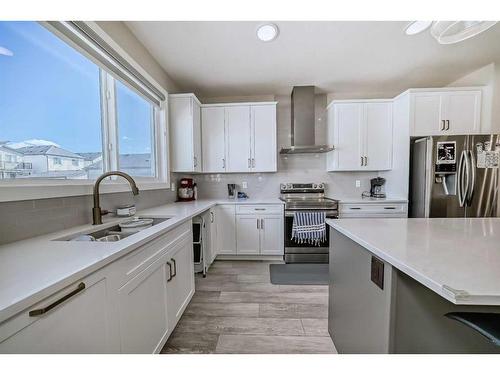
33,269
459,259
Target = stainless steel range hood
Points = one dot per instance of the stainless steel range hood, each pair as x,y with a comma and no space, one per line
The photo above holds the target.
302,131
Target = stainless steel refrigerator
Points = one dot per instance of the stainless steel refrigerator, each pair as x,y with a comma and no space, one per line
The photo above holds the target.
454,176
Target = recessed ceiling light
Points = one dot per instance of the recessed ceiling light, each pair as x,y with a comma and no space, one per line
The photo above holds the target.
417,27
267,32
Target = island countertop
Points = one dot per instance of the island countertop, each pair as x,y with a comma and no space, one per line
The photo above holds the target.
457,258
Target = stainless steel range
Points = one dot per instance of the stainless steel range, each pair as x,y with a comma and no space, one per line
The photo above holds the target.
306,197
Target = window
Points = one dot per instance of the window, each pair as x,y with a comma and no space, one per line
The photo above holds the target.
68,94
135,132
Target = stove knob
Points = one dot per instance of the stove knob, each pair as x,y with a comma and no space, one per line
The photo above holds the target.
321,186
289,186
315,186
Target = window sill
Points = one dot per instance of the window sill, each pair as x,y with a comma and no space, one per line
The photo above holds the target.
26,190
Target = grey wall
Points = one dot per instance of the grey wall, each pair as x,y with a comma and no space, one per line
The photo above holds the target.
292,168
24,219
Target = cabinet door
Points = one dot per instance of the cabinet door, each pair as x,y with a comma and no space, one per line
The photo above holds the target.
271,235
378,136
84,323
142,305
197,156
247,234
462,112
348,137
226,229
213,139
238,139
180,288
427,116
181,133
264,138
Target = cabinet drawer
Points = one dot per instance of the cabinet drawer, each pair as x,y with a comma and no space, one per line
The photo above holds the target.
261,209
373,209
132,264
76,319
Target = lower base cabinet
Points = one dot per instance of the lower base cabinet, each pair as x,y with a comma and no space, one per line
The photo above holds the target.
142,309
129,306
180,280
83,323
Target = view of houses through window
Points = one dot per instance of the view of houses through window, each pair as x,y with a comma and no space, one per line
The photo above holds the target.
51,124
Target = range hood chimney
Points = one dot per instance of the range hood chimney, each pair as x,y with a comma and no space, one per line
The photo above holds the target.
303,141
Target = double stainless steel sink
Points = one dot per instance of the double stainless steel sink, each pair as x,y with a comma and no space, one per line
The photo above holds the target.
112,233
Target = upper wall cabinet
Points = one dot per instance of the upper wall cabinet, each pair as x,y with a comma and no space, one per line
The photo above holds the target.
239,137
185,133
445,112
361,132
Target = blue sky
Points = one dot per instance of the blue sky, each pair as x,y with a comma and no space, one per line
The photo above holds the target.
50,91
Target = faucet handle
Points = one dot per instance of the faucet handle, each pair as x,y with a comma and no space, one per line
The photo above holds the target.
104,212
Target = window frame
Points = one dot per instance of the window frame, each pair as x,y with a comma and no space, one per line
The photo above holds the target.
23,189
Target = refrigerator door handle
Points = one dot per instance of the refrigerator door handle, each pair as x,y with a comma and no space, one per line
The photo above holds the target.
472,182
461,180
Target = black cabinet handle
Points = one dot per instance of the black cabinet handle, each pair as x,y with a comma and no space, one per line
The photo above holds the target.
43,310
170,277
175,267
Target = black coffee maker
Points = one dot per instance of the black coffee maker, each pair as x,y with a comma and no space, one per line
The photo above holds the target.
377,187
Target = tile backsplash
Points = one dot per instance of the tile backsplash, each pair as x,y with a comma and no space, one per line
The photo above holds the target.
24,219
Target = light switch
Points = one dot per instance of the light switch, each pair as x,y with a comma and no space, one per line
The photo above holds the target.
244,185
358,183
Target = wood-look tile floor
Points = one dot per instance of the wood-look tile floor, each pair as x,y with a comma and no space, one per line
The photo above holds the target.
236,309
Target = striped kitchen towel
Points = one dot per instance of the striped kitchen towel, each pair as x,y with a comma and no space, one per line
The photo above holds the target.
309,227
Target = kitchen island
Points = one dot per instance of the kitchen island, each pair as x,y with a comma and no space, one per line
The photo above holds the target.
392,281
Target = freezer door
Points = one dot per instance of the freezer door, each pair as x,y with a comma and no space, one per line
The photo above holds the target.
442,204
483,200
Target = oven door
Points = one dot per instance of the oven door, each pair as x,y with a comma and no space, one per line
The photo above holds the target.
304,252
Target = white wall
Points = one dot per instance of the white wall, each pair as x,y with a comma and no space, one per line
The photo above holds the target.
122,35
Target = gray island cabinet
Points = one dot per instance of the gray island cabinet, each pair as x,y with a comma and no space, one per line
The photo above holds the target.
393,280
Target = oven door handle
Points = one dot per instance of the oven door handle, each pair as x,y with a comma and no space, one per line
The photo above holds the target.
329,214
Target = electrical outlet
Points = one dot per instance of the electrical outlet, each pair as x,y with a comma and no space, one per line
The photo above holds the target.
244,185
172,186
358,183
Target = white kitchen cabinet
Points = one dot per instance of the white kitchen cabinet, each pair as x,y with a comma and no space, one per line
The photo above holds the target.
185,133
271,235
238,139
373,210
248,234
142,307
226,229
180,280
445,112
361,132
82,323
263,158
213,139
378,136
259,230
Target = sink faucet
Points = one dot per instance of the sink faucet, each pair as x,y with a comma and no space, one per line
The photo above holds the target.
97,213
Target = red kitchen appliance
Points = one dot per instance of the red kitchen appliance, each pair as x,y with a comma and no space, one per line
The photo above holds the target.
186,191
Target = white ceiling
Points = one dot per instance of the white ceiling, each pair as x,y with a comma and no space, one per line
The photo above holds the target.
216,59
